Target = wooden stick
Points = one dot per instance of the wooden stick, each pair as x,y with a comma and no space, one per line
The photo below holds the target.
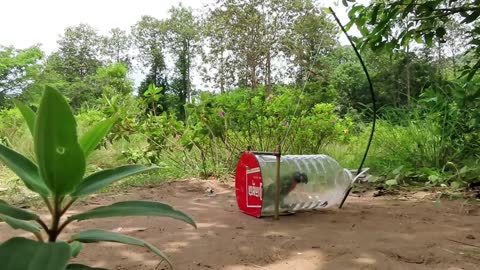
277,186
463,243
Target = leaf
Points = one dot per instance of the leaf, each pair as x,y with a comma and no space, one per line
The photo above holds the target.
398,170
75,248
440,32
471,17
94,136
20,224
428,39
134,208
373,179
93,236
15,212
24,254
101,179
374,14
433,178
391,182
60,158
464,170
76,266
25,169
27,114
456,185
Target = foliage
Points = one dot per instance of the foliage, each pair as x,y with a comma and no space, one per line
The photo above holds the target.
78,53
183,37
17,69
58,177
246,38
394,24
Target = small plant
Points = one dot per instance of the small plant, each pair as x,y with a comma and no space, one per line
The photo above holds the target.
58,177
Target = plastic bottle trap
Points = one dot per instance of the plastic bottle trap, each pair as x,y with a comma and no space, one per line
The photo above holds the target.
306,182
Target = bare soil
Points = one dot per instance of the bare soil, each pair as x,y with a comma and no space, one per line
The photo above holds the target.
407,231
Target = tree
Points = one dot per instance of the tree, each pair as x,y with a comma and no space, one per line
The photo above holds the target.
149,38
182,37
18,68
116,47
247,40
78,53
422,21
310,38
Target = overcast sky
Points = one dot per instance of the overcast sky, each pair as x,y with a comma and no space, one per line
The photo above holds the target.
24,23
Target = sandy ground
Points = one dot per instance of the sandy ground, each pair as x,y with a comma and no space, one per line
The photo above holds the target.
387,232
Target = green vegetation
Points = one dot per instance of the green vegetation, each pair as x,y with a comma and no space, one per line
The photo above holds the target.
58,178
280,75
315,101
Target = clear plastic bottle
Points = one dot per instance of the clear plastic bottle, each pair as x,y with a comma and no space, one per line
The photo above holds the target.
306,182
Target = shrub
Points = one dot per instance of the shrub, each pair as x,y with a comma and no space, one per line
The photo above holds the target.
58,177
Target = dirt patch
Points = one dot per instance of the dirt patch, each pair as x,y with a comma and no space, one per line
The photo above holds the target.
386,232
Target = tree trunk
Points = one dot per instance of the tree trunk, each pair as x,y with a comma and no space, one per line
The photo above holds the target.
269,74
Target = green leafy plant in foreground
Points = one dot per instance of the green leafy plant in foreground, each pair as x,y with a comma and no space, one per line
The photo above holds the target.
58,177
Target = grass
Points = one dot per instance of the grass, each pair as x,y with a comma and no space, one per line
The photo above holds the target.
414,146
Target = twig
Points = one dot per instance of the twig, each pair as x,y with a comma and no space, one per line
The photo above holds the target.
463,243
44,226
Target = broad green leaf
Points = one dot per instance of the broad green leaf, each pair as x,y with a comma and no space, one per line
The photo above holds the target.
25,254
101,179
134,208
76,266
20,224
28,115
15,212
94,136
93,236
75,248
25,169
60,158
391,182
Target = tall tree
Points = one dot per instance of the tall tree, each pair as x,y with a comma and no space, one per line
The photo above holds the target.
116,47
254,35
182,36
79,52
310,38
149,36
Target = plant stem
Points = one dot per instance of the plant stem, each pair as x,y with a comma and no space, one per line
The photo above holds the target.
44,226
64,224
49,205
67,206
53,232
